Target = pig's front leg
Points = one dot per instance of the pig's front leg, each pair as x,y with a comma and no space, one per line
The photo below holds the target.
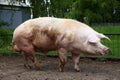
63,58
75,58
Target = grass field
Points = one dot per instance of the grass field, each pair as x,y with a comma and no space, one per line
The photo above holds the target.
113,32
108,29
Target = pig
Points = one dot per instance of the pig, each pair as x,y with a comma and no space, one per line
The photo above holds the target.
44,34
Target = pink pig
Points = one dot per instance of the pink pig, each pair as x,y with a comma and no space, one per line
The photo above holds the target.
47,33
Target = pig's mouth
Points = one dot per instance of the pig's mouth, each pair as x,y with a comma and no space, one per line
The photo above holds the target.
99,53
102,53
95,53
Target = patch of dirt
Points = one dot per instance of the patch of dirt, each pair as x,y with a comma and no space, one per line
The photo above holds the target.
11,68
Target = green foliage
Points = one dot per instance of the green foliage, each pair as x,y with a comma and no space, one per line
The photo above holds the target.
5,31
89,11
38,8
5,39
57,8
60,8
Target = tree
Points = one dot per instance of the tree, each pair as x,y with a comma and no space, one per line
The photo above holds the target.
90,11
57,8
60,8
107,9
38,8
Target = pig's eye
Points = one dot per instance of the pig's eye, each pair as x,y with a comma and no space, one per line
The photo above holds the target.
93,44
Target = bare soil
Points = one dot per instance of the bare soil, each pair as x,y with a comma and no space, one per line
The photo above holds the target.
11,68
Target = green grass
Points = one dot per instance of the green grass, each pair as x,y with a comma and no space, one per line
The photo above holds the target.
5,31
5,40
107,29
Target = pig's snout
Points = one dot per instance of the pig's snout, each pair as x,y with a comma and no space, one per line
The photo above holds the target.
106,50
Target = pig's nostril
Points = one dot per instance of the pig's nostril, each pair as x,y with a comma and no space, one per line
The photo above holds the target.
106,50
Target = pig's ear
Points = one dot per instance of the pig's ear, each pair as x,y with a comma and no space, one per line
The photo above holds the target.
93,39
103,36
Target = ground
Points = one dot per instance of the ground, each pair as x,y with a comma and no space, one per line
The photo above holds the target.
11,68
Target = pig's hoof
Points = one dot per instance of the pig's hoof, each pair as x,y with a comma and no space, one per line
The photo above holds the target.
27,66
77,70
37,68
60,70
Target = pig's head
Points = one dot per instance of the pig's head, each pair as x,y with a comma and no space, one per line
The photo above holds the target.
94,46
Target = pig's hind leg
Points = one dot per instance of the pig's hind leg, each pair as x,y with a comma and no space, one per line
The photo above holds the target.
29,54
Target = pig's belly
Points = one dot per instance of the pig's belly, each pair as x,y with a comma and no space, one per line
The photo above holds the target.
44,49
44,46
